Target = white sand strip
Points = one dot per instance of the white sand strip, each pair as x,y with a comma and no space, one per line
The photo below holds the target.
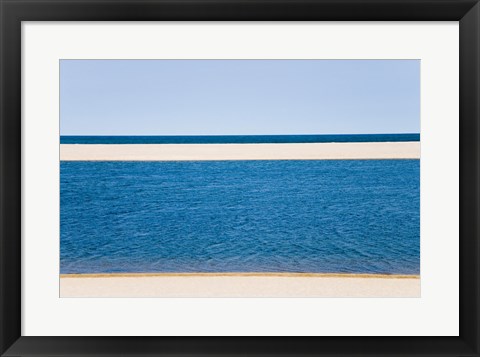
210,152
238,286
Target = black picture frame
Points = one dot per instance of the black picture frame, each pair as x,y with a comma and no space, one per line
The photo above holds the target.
13,12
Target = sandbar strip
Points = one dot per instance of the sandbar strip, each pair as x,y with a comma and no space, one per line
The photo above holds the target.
214,152
239,285
289,274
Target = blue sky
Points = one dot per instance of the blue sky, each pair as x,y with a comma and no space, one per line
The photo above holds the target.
239,97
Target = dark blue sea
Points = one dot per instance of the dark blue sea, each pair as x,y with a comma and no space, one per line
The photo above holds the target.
238,139
360,216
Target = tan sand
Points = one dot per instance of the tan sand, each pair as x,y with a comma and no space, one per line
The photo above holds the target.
205,152
239,285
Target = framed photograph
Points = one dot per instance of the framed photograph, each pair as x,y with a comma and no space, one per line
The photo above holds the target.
198,177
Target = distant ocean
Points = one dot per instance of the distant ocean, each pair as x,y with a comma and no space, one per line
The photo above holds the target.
342,216
238,139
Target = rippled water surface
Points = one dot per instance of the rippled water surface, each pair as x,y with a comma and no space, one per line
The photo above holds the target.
252,216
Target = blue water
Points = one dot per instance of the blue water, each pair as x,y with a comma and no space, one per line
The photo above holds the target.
252,216
237,139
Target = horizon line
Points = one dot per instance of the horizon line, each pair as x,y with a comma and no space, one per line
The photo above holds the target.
153,135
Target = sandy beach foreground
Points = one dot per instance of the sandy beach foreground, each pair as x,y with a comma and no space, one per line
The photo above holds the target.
239,285
206,152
